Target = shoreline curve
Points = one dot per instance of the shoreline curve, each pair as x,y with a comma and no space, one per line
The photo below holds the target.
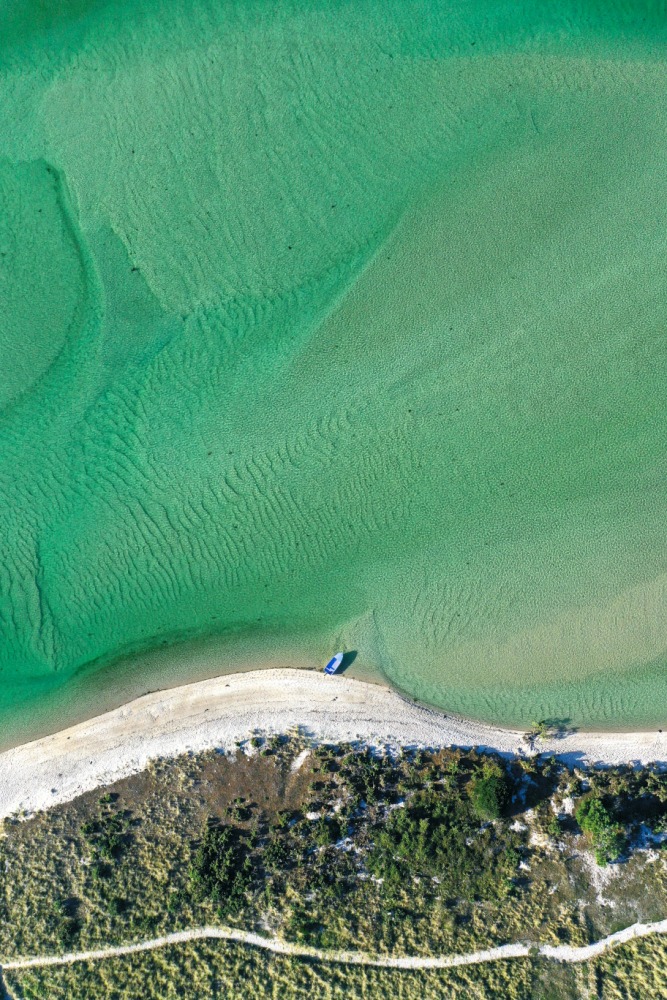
217,713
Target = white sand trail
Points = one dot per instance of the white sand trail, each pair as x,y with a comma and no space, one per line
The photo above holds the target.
559,953
221,711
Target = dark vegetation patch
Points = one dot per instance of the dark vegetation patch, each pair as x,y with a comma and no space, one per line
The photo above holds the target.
221,869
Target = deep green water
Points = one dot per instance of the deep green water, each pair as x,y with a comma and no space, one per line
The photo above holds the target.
334,324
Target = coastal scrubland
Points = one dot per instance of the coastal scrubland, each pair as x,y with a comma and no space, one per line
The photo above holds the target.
343,848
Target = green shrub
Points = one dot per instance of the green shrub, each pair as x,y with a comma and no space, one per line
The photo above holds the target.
327,831
108,835
115,906
553,827
607,836
277,857
490,793
221,868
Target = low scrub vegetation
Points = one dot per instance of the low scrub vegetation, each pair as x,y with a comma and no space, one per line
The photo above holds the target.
438,837
206,970
419,853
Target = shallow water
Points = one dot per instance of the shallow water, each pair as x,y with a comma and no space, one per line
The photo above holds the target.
335,325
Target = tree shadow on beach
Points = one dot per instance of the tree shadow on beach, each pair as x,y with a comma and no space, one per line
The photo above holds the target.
557,729
550,729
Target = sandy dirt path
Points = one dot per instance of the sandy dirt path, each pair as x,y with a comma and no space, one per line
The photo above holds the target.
219,712
558,953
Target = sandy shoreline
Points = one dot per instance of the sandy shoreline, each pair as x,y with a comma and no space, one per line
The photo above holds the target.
218,712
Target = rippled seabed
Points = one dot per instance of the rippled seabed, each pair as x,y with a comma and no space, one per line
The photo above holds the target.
336,324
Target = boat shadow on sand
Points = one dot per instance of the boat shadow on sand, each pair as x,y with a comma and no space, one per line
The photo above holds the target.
347,661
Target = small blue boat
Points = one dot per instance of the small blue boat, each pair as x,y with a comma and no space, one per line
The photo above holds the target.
334,663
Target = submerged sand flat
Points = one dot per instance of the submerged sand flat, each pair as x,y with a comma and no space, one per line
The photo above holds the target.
337,325
219,712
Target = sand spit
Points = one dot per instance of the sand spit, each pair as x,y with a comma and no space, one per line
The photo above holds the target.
221,711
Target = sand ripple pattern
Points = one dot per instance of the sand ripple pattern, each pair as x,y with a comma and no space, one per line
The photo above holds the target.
344,313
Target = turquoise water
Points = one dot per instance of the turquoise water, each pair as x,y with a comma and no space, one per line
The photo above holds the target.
334,325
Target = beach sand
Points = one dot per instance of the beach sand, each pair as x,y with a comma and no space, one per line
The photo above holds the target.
219,712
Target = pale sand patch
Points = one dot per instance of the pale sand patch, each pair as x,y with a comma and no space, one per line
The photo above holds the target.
218,712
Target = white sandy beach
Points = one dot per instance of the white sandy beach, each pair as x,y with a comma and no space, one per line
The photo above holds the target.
219,712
